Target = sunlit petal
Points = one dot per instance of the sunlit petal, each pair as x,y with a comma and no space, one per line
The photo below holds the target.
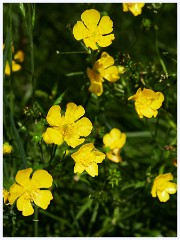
43,199
42,179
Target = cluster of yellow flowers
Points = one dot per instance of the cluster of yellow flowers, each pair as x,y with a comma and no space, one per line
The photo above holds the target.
95,33
72,127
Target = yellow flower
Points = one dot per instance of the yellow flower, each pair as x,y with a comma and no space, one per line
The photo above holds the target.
27,190
86,158
162,187
67,128
94,31
102,69
114,139
114,155
147,102
7,148
5,196
135,8
18,57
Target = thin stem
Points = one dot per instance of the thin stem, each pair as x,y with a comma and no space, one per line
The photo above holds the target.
36,221
30,32
75,52
158,53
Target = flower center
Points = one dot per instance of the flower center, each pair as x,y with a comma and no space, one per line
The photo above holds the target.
30,193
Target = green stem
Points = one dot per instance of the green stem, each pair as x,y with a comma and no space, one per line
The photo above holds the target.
36,221
158,53
30,33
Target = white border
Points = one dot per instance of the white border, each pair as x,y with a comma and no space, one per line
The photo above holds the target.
1,108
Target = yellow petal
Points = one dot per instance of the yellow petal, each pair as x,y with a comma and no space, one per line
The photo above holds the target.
80,31
90,18
157,103
125,7
96,88
5,195
165,177
25,206
43,199
94,76
83,150
78,168
171,188
74,140
106,60
114,155
7,149
99,156
54,116
83,127
90,42
105,25
111,74
19,56
7,69
15,192
92,169
163,196
15,66
73,112
23,176
42,179
147,112
105,41
136,8
153,191
53,135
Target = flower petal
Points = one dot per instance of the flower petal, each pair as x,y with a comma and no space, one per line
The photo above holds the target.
163,196
153,191
93,76
78,168
19,56
43,199
90,42
92,169
7,69
83,127
99,156
73,112
54,116
157,103
111,74
25,206
42,179
82,151
23,177
105,25
96,88
15,192
74,140
53,135
15,66
80,31
90,18
171,188
105,61
105,41
114,155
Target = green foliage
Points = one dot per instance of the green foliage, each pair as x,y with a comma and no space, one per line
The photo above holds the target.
117,202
